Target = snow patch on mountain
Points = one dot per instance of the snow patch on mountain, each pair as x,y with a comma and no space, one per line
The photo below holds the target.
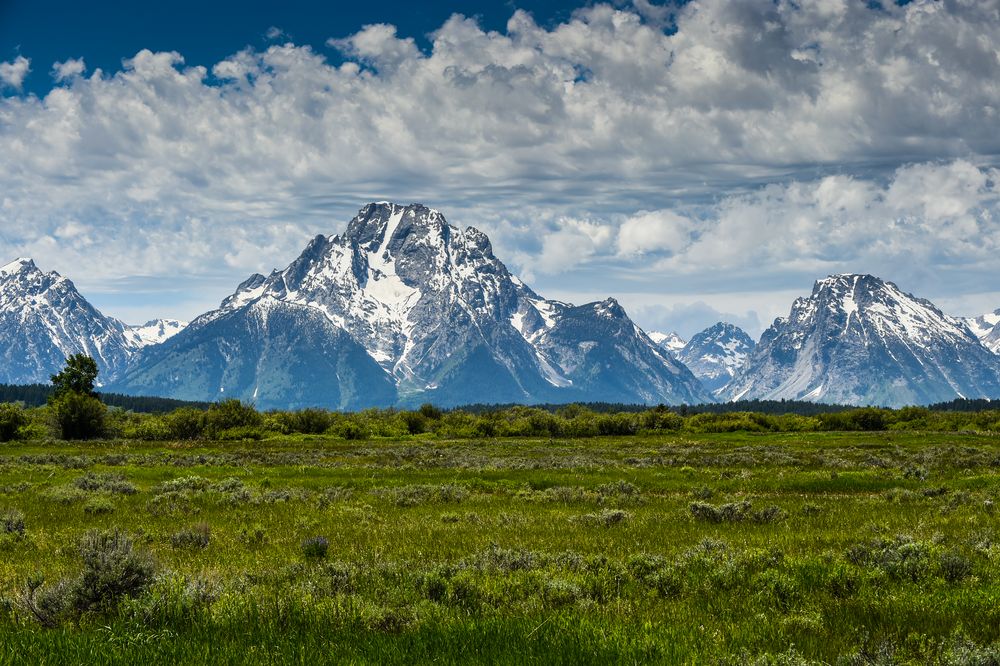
987,328
153,332
672,342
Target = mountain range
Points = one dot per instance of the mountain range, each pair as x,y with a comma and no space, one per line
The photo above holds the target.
403,308
860,340
44,319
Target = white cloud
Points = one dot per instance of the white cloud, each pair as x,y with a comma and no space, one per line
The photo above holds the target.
12,73
68,70
759,138
274,33
654,231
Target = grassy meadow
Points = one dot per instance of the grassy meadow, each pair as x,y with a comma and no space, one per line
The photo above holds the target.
726,548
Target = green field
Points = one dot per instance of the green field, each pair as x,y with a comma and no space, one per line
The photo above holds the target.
851,548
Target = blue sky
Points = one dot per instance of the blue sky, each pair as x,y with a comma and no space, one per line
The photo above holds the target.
698,161
104,33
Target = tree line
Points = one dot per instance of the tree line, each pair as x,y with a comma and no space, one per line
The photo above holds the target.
73,409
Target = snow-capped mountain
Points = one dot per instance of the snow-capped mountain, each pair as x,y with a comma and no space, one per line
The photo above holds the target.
44,319
672,342
153,332
410,310
859,340
987,329
716,354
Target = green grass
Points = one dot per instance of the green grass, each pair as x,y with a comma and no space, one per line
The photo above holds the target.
856,548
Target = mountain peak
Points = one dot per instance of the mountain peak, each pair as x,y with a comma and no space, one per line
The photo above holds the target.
378,223
716,354
672,342
858,339
19,265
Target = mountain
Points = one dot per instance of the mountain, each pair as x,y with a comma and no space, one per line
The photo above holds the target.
404,308
44,319
987,329
153,332
716,354
860,340
672,342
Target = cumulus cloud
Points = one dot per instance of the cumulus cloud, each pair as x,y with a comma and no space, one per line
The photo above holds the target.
12,73
759,135
654,231
68,70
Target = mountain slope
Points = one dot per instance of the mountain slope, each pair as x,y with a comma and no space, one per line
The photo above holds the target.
987,329
672,342
859,340
716,354
275,354
153,332
44,319
440,316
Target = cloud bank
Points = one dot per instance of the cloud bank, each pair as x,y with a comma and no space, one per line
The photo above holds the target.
756,142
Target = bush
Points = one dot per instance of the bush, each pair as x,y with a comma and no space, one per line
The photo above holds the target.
196,536
112,571
351,430
315,548
726,513
185,423
606,518
231,415
416,423
79,416
312,421
97,506
12,522
12,420
109,483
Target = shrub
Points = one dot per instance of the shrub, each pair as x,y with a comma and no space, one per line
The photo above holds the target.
97,506
185,423
109,483
351,430
315,548
112,570
311,421
955,567
232,415
902,558
12,522
415,422
726,513
66,495
196,536
12,420
606,518
79,416
192,483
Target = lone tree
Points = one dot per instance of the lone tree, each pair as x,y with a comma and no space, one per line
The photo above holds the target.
78,376
77,409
